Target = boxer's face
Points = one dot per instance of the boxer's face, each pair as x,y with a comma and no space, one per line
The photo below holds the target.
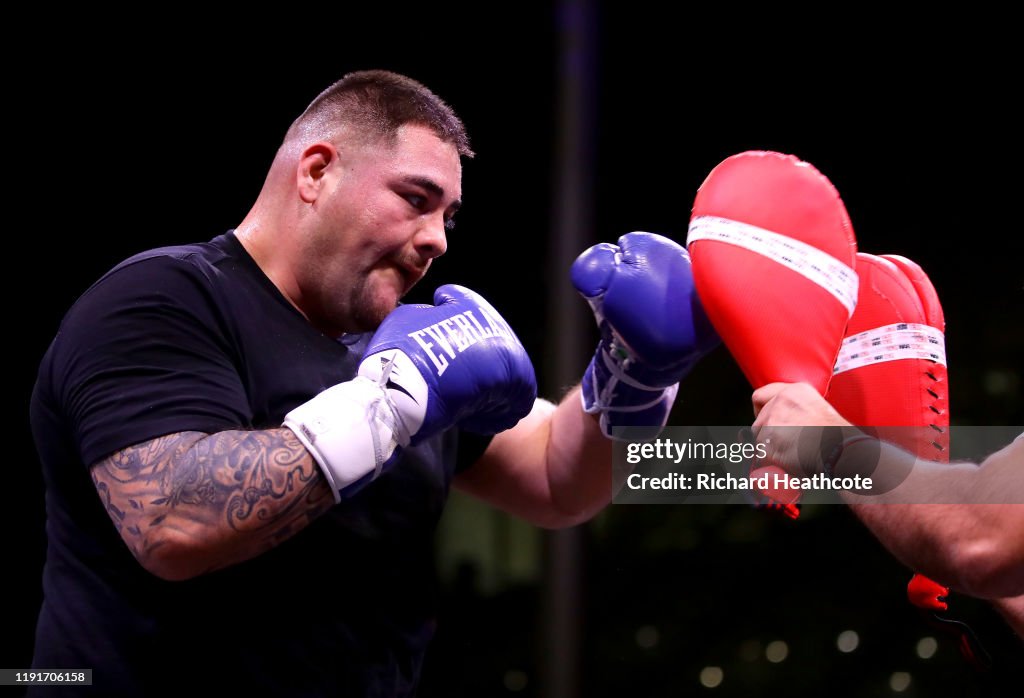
379,222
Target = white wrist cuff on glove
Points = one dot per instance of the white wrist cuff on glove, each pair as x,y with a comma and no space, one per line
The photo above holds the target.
351,429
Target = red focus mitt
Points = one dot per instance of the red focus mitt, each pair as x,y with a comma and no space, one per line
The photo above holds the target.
773,255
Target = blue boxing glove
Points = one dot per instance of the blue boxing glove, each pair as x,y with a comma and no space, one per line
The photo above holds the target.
427,368
653,330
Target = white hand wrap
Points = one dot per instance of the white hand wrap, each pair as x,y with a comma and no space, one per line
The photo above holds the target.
354,428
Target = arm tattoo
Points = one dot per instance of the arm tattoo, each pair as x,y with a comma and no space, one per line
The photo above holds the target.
233,495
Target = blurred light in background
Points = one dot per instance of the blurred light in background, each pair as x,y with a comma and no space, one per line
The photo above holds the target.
926,647
750,650
647,637
711,676
999,382
515,680
899,681
847,641
776,651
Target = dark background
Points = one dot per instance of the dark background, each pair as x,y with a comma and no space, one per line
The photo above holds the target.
128,142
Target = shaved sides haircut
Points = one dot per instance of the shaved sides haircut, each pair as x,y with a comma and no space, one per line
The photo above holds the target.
375,103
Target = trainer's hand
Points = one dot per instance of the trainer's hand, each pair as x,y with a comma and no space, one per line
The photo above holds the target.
653,329
427,368
800,430
793,405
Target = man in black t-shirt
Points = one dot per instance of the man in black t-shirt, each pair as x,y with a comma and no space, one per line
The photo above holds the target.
247,443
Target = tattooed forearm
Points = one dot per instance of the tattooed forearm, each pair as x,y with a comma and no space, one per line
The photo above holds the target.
189,502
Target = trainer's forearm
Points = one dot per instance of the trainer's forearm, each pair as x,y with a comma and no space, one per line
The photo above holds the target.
1012,609
961,524
189,503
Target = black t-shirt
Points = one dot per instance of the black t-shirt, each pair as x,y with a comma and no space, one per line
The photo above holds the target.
197,338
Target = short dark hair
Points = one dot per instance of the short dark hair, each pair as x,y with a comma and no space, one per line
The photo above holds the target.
378,102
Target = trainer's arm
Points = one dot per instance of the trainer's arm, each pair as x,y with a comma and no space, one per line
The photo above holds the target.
975,545
1012,610
553,468
190,503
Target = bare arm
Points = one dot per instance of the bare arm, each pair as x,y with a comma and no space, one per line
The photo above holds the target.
975,545
190,503
1012,610
552,469
971,537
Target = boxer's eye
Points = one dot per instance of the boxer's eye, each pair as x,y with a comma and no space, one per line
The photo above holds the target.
416,201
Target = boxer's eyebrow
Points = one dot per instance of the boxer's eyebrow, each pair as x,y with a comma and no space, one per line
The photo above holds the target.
434,188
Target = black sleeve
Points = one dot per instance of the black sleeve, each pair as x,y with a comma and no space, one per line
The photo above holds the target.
471,447
144,353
